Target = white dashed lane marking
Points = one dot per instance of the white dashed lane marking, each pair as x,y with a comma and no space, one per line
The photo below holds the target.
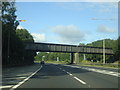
79,80
74,77
69,73
63,70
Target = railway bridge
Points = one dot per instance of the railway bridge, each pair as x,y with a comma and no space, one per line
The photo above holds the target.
72,49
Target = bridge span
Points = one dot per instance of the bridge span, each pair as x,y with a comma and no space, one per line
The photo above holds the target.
50,47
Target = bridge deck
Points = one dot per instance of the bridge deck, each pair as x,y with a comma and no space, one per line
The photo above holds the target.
48,47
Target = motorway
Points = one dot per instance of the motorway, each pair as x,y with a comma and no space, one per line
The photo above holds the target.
67,76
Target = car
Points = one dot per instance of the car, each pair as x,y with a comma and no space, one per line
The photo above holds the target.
42,62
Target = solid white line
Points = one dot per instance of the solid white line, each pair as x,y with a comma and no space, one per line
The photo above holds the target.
102,71
80,80
20,83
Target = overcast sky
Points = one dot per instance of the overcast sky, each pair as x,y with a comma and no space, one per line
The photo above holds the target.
69,22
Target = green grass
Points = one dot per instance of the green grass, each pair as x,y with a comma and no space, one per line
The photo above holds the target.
54,62
36,61
107,66
84,63
88,63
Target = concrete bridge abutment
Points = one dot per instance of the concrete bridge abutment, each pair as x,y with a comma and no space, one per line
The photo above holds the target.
71,58
74,58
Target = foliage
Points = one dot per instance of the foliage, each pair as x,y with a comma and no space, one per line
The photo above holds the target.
9,40
25,36
13,52
117,53
90,57
51,56
108,44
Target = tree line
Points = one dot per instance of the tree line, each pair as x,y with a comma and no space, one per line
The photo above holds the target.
109,43
53,56
13,52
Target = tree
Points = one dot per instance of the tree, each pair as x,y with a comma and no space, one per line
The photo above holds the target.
9,40
25,37
52,56
117,53
13,51
108,44
40,55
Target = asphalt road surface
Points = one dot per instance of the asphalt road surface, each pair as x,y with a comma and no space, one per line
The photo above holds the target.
61,76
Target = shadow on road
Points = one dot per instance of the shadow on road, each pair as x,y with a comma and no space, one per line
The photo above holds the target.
49,70
13,75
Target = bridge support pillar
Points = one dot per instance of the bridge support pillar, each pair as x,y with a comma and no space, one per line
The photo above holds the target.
71,58
76,58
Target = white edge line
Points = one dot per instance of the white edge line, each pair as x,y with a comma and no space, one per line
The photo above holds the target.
105,72
98,71
80,80
20,83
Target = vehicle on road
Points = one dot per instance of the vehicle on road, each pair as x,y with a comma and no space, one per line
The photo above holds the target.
42,62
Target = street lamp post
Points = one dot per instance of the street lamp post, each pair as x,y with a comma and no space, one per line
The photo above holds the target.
103,51
103,39
8,45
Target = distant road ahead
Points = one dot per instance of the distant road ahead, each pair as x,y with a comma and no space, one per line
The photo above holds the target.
60,76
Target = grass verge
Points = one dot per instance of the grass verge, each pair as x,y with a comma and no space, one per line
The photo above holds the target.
107,65
86,63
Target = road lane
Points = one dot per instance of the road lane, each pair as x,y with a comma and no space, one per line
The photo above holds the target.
93,79
13,75
20,83
50,76
62,76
